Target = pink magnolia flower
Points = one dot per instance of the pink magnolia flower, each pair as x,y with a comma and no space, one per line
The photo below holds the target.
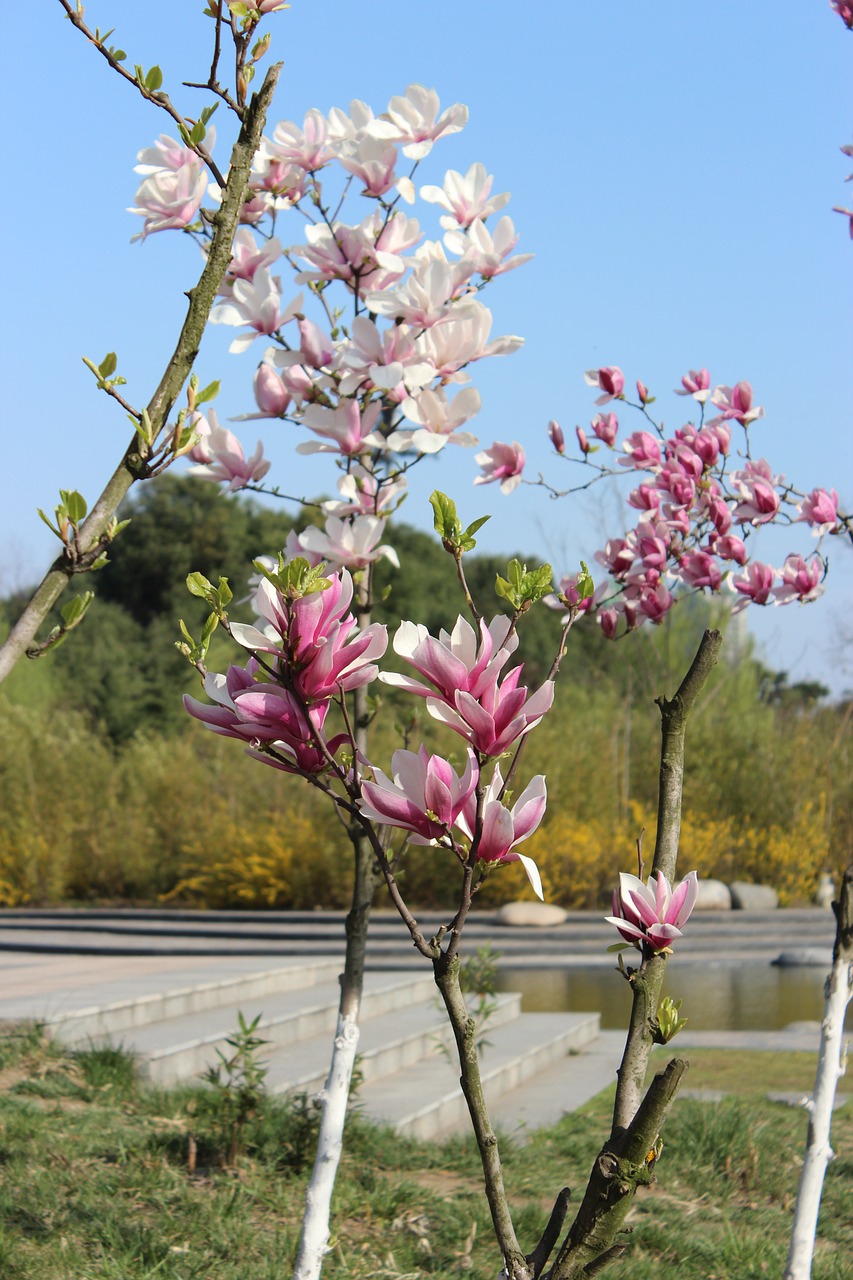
643,451
426,298
348,428
759,500
755,585
608,620
699,569
308,147
465,198
439,419
820,510
567,590
487,253
354,542
653,602
844,9
583,443
265,713
370,159
697,384
643,392
731,548
413,119
610,379
226,462
498,717
605,426
617,557
501,829
425,795
719,513
675,481
736,402
315,638
503,462
363,494
271,395
173,186
247,256
555,435
460,659
462,339
801,580
651,916
645,498
257,303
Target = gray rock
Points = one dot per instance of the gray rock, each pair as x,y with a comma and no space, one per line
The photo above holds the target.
713,896
808,957
753,897
825,892
542,914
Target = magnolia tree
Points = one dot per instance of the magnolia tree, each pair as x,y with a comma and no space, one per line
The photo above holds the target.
366,333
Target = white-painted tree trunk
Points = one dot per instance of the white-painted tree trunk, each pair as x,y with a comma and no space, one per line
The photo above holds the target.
313,1244
830,1067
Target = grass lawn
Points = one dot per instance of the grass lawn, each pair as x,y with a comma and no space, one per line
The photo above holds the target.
95,1181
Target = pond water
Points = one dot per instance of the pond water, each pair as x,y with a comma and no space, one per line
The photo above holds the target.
735,998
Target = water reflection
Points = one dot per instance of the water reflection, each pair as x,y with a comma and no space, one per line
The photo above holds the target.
735,998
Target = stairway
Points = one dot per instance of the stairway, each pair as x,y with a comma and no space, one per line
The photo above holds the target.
408,1077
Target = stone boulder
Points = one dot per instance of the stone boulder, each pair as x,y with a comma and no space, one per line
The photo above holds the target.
806,958
825,892
713,896
542,915
753,897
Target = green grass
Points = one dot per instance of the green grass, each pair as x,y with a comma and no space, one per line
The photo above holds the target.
95,1184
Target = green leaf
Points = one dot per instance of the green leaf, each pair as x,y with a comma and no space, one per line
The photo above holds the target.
446,521
74,611
154,79
108,364
584,586
524,587
210,392
118,54
296,578
198,133
75,505
198,585
208,629
48,522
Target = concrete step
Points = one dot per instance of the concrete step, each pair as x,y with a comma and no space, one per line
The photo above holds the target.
425,1099
178,1049
121,1016
388,1044
560,1088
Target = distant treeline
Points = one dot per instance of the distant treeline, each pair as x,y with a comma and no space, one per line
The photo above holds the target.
110,793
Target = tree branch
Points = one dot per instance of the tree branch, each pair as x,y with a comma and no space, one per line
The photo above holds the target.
161,100
133,465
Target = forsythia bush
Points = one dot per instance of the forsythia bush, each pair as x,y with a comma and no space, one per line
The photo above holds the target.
285,864
183,819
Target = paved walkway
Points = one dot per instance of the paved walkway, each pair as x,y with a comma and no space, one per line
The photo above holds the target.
720,937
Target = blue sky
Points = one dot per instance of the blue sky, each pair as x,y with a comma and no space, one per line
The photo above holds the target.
673,167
